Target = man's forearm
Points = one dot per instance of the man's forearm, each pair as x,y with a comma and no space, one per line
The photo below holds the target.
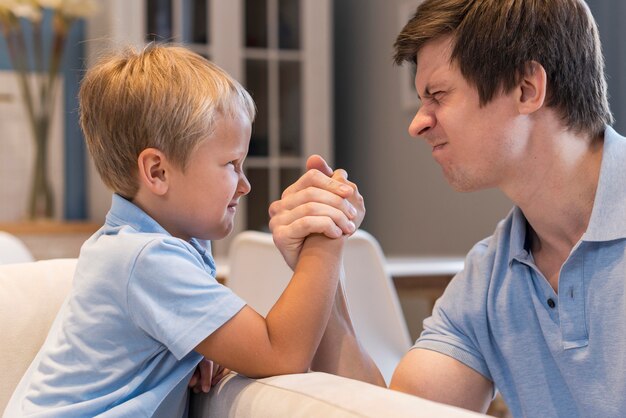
297,321
339,351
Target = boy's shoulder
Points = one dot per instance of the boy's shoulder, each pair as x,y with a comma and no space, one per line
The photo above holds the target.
126,243
116,262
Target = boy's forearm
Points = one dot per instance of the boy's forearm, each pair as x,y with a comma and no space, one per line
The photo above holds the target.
297,321
339,351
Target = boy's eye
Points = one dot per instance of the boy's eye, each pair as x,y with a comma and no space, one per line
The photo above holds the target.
237,165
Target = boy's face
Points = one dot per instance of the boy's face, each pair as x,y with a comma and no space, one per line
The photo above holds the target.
205,196
475,146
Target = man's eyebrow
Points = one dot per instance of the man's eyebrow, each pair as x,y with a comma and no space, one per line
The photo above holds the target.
426,92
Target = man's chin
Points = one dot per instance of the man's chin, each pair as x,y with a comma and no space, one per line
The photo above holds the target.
463,184
465,188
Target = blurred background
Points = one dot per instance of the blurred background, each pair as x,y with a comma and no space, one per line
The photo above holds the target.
322,76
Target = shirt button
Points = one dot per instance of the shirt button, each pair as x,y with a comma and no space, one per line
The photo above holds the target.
551,303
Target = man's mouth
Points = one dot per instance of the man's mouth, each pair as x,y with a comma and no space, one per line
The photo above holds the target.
440,146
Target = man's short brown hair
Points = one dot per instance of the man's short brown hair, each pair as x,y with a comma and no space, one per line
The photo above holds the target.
163,97
494,40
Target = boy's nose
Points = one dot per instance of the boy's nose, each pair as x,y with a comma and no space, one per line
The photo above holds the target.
421,123
244,185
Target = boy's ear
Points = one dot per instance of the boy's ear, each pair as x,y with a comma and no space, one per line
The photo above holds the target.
532,88
153,171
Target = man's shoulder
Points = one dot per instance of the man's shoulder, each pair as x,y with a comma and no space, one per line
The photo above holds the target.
509,232
487,263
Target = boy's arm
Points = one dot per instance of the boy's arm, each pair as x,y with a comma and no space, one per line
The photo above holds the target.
285,341
339,351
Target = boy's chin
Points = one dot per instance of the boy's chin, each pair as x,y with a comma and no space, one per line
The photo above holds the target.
218,235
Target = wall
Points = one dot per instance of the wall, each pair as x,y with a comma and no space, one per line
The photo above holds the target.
609,15
410,207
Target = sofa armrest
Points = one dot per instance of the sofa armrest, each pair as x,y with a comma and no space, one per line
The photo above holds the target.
30,297
312,395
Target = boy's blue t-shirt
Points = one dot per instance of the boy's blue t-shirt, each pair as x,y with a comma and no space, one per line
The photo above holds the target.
122,345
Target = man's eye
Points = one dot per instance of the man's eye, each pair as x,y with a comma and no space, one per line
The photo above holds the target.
435,97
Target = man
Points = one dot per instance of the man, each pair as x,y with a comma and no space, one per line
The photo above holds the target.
514,97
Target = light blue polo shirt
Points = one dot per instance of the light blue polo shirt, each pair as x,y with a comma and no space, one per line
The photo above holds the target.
122,345
549,355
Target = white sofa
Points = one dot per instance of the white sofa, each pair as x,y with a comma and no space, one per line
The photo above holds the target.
31,293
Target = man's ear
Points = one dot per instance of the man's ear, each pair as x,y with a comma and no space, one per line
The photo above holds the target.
532,88
153,171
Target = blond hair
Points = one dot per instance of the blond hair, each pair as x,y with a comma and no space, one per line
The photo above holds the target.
164,97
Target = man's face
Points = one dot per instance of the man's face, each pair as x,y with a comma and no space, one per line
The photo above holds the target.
475,146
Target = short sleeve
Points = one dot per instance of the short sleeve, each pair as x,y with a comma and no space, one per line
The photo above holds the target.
459,314
173,297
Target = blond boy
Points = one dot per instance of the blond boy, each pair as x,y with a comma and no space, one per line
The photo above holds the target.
169,132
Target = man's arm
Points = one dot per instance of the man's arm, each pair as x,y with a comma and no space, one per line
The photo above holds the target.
424,373
339,352
440,378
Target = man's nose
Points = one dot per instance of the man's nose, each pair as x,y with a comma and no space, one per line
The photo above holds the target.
423,121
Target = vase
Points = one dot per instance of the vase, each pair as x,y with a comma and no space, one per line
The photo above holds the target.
41,201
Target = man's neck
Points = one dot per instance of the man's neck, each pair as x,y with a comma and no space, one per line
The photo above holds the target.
555,191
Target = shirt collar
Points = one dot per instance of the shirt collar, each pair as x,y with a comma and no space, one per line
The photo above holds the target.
607,220
125,213
518,243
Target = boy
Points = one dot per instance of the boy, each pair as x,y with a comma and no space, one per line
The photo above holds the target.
169,132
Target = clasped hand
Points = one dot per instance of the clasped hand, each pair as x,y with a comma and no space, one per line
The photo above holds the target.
320,202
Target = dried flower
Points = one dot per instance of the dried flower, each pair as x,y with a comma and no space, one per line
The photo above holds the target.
39,97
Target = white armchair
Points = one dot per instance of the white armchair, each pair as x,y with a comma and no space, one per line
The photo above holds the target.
259,275
12,250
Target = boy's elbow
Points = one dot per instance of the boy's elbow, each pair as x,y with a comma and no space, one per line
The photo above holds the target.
293,366
298,367
282,365
297,362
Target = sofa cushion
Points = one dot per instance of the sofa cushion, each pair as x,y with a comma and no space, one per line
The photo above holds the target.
30,296
312,395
